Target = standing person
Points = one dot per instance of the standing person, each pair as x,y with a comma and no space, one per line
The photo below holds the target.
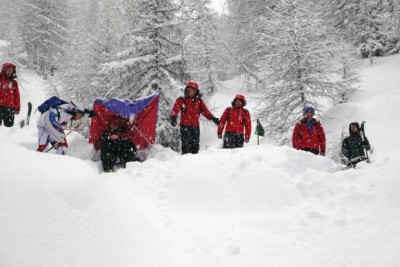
51,125
116,145
308,134
9,95
353,146
190,106
238,124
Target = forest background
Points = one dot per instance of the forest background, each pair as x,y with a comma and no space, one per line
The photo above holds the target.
292,53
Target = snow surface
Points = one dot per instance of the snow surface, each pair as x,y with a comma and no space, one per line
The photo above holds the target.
257,206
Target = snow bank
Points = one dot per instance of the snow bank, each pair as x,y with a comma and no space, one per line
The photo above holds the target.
257,206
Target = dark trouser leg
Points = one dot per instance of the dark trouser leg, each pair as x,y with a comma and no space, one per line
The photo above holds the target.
2,115
195,140
190,137
126,152
314,151
233,140
108,154
7,115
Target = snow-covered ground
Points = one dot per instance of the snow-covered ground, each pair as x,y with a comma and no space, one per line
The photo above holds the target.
252,207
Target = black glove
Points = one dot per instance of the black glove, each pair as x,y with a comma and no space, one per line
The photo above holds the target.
90,112
54,144
173,121
215,120
365,146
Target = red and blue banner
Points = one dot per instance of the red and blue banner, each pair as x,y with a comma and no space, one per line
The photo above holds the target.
140,113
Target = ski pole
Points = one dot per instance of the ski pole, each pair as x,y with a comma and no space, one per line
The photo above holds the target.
54,145
145,138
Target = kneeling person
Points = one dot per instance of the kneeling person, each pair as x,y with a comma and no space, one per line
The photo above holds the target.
116,146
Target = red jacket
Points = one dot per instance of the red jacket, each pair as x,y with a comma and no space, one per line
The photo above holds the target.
304,138
190,109
237,120
9,92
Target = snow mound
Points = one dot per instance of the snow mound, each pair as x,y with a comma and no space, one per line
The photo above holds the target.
257,206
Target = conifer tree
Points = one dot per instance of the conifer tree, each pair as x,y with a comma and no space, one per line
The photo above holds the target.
92,42
10,31
149,60
297,64
44,29
200,53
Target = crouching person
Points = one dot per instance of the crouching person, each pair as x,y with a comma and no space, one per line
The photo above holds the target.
51,125
116,145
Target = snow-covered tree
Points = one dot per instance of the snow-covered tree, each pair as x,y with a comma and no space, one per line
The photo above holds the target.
200,53
92,42
10,20
237,32
369,24
297,68
44,28
243,21
347,65
392,26
150,60
366,28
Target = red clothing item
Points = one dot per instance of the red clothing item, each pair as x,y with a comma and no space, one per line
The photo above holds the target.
190,109
237,120
9,91
303,138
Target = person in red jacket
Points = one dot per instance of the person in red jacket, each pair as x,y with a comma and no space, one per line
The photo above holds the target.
9,95
238,124
308,134
116,145
190,106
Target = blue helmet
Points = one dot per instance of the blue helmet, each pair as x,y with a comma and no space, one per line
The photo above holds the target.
308,109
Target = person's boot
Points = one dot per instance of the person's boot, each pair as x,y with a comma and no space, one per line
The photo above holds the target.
41,148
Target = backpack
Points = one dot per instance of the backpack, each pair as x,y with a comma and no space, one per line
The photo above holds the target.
52,102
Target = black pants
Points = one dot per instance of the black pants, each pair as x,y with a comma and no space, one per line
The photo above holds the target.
314,151
190,137
233,140
353,162
117,151
7,115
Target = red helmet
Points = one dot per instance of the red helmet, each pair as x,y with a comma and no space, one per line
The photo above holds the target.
193,85
8,66
240,97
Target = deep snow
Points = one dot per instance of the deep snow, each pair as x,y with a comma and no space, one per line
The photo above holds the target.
257,206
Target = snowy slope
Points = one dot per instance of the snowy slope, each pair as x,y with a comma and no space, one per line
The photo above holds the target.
256,206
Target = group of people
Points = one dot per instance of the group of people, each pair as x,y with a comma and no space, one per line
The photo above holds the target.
309,135
234,126
235,120
115,146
